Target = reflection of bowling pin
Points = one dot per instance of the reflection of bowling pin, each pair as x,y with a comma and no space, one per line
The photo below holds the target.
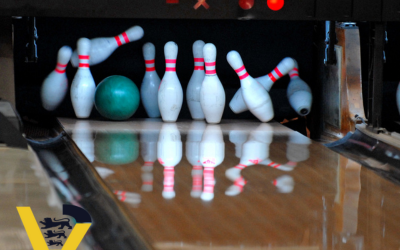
212,153
297,151
55,85
238,137
237,103
255,96
194,86
150,83
148,146
284,184
104,172
103,47
170,94
299,93
83,85
193,140
254,151
212,94
169,153
83,138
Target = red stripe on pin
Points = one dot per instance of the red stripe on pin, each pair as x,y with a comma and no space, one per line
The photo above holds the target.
84,65
211,72
278,72
198,68
170,69
61,65
243,76
210,64
293,74
199,60
149,61
272,77
150,68
239,69
118,40
170,60
83,57
125,36
60,71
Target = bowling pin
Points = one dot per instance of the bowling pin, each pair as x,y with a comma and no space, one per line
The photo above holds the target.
254,94
237,103
212,94
212,154
103,47
169,153
193,140
150,83
55,85
299,93
170,94
194,86
83,86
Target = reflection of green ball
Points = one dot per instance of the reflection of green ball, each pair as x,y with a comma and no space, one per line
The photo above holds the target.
116,148
117,98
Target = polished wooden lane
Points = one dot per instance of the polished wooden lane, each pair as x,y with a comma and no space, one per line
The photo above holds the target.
325,202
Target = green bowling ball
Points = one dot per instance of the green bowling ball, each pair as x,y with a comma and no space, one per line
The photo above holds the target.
116,148
117,98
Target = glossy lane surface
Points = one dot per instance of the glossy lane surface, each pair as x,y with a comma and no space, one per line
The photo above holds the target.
274,188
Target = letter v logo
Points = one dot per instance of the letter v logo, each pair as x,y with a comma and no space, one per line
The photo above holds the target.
83,222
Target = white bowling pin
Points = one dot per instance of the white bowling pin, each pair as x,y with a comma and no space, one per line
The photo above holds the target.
193,140
299,93
169,153
83,138
170,94
212,154
194,86
83,86
254,94
237,103
212,94
103,47
55,86
150,83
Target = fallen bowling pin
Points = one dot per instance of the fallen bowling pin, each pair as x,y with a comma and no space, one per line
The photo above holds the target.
212,94
103,47
150,83
284,184
254,94
170,94
55,86
195,82
83,86
237,103
299,93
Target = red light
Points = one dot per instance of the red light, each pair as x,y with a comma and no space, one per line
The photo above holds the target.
275,4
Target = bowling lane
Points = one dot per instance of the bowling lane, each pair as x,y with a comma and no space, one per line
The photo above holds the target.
274,188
